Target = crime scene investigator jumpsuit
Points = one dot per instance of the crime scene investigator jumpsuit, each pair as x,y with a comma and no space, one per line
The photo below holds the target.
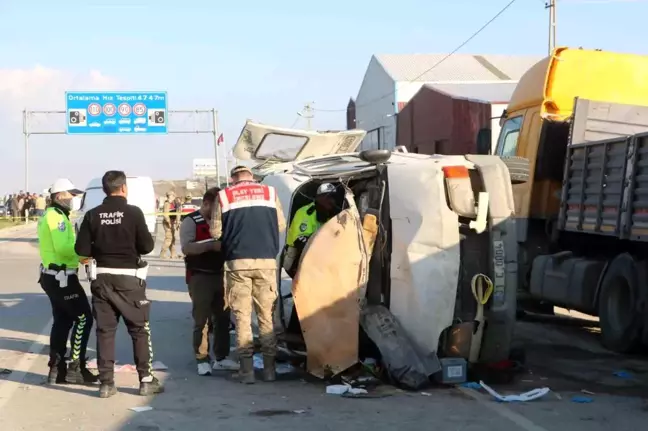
70,306
115,234
247,217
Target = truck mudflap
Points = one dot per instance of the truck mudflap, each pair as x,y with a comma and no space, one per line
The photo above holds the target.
501,312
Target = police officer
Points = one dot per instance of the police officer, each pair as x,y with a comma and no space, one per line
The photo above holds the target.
59,280
115,235
247,217
170,225
307,220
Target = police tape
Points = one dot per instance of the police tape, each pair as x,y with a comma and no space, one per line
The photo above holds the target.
75,214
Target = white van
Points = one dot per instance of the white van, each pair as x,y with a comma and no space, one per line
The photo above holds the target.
406,237
140,193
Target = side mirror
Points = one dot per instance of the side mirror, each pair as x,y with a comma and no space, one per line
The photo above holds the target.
484,141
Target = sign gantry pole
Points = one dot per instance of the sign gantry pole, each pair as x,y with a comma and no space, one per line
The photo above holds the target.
115,113
216,138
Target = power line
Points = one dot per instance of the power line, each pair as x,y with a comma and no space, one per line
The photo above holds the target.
454,51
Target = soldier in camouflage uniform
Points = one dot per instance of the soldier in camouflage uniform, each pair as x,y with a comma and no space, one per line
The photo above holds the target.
247,218
170,225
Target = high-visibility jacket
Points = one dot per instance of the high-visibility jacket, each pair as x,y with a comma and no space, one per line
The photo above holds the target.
304,224
56,239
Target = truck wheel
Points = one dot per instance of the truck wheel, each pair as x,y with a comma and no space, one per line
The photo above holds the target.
518,168
617,306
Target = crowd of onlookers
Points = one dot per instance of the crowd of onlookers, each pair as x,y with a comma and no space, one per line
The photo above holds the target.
25,205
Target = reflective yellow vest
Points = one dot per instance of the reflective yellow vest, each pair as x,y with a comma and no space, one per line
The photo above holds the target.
303,224
56,240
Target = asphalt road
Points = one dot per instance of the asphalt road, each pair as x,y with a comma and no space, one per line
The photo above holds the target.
562,354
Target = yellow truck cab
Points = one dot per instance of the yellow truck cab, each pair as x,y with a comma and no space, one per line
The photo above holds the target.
543,101
542,136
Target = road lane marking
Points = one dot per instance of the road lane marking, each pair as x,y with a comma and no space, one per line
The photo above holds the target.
20,370
502,410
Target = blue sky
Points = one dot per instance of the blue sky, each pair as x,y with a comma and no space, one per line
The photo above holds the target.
255,59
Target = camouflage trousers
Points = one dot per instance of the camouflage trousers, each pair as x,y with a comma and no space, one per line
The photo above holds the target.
169,239
256,288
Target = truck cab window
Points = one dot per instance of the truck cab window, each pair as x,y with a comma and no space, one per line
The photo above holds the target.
508,138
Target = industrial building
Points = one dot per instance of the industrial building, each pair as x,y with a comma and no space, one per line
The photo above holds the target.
446,118
391,80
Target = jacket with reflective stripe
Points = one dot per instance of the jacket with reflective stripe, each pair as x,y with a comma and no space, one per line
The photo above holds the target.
304,224
56,239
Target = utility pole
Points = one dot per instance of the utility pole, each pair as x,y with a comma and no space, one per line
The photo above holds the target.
551,5
308,114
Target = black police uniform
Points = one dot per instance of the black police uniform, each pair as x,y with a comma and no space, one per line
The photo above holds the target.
115,234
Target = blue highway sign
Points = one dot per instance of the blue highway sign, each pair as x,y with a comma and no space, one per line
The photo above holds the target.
119,113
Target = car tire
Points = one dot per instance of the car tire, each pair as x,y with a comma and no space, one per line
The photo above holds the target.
618,302
518,167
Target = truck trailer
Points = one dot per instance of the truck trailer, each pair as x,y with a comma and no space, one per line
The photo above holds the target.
573,138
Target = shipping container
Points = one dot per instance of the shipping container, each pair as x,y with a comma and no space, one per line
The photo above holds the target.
435,122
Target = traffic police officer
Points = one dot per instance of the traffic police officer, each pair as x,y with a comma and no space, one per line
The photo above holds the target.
115,235
170,225
247,218
307,220
59,280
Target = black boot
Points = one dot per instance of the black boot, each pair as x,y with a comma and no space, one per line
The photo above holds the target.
107,390
78,374
57,371
151,386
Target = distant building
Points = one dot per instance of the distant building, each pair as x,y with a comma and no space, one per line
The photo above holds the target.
203,168
391,80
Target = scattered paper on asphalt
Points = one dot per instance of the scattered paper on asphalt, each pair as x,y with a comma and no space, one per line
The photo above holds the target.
337,389
280,367
526,396
141,409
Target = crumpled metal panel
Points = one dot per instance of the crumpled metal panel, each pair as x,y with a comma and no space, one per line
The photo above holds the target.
326,292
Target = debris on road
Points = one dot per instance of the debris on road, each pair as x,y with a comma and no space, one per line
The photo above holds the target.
526,396
404,365
623,374
471,385
337,389
141,409
345,389
582,400
280,367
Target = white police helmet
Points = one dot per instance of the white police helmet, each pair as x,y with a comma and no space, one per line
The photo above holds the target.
325,189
